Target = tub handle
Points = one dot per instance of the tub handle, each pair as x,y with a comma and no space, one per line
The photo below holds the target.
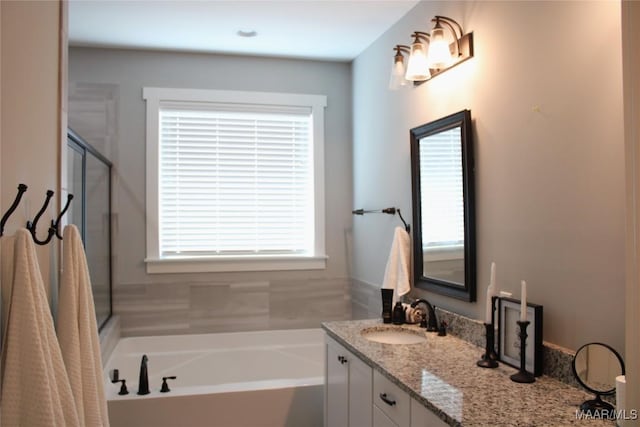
115,378
165,386
123,387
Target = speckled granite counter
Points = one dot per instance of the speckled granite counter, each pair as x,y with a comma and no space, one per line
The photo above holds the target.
442,374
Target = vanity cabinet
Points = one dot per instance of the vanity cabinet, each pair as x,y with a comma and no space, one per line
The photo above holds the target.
358,396
348,386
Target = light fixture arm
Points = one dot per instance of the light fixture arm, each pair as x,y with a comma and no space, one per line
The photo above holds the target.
420,36
449,23
401,48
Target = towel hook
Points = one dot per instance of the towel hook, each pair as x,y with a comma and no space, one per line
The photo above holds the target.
31,226
21,190
56,224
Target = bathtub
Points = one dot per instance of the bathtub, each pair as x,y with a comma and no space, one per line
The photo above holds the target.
244,379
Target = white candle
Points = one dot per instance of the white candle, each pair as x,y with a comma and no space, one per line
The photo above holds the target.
491,291
492,280
487,314
523,302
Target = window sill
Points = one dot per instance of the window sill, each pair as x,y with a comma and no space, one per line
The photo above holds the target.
234,263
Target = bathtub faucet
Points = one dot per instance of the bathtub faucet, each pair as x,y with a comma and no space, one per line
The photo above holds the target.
143,383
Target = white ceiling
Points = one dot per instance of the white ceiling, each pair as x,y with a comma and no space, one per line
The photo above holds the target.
316,29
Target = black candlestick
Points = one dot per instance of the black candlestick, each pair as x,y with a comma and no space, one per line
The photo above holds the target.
489,358
522,376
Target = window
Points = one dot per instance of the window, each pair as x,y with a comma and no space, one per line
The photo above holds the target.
234,181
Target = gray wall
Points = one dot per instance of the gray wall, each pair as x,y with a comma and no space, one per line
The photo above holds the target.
545,94
181,303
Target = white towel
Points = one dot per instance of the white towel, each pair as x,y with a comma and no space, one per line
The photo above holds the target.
397,275
78,332
35,386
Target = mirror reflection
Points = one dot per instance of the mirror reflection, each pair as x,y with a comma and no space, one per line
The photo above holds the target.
442,206
596,367
442,179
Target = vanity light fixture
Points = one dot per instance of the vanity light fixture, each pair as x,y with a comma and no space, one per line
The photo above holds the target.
418,67
398,70
431,54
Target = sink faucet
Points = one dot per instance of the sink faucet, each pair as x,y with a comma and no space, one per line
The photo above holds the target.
143,383
432,323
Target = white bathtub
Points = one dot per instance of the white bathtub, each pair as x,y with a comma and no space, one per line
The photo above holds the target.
244,379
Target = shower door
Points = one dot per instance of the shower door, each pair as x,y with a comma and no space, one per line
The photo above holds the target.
89,180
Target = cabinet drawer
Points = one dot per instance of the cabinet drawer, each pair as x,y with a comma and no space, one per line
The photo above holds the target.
391,399
380,419
422,417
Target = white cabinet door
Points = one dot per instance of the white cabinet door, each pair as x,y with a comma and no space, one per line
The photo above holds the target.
422,417
348,385
336,387
360,386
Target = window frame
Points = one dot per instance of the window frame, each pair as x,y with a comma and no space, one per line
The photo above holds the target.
154,98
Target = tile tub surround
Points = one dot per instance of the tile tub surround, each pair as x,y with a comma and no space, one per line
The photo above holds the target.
208,307
442,375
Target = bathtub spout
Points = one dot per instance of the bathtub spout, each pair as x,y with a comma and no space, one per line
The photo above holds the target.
143,383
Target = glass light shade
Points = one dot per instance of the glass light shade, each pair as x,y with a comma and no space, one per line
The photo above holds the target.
439,53
418,68
397,79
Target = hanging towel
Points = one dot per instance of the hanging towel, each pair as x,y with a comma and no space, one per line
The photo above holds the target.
6,283
78,333
397,275
35,386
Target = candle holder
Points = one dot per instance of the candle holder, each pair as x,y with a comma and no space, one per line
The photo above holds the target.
522,376
489,358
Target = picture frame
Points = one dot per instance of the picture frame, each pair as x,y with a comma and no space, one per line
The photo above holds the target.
509,335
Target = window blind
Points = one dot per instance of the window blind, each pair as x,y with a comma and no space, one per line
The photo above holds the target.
442,190
235,181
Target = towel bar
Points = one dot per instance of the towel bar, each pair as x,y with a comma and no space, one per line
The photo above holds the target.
390,211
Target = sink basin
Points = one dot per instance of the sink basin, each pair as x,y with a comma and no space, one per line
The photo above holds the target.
392,335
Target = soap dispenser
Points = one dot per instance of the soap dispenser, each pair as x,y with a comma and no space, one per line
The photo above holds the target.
398,314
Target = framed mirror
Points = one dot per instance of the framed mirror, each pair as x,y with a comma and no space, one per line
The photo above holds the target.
596,366
442,175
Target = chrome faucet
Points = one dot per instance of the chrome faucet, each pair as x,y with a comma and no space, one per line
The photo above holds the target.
432,323
143,382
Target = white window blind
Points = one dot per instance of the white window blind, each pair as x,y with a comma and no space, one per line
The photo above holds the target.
441,189
235,180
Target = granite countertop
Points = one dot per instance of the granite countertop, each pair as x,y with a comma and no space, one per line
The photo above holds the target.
442,374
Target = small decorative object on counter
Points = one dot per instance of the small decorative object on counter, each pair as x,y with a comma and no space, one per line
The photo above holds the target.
423,320
442,330
387,304
398,314
522,376
490,357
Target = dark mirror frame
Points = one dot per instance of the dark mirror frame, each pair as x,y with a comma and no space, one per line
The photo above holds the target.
466,292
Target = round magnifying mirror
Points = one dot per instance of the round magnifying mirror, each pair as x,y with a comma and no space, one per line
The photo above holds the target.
596,367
